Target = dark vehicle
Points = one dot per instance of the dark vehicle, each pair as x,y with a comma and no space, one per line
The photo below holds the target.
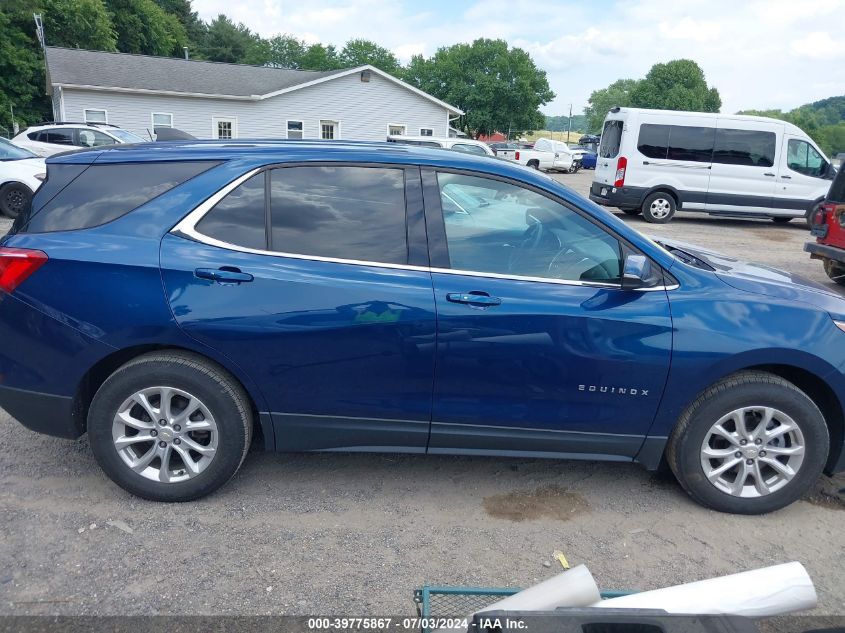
588,158
179,301
827,224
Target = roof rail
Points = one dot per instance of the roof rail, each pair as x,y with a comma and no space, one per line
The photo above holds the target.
92,124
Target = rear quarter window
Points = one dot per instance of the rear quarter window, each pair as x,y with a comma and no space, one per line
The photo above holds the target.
103,193
837,189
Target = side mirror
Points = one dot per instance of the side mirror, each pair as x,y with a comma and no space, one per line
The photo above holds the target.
636,272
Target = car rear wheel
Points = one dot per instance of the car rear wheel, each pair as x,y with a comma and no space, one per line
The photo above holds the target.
835,271
170,426
14,198
750,444
658,208
781,220
534,164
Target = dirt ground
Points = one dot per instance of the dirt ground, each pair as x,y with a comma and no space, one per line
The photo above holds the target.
356,534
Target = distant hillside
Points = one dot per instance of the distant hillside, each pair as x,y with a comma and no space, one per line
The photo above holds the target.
823,120
561,123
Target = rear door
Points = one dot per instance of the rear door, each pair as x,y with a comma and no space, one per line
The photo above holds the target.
608,152
801,176
539,350
314,279
743,175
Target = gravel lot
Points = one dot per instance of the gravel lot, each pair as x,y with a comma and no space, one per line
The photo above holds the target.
355,534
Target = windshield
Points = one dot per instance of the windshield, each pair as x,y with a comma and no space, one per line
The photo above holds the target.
13,152
126,137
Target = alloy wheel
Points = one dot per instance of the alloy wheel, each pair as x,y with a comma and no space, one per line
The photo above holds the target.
752,451
165,434
660,208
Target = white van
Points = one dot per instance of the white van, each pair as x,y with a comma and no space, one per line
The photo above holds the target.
655,162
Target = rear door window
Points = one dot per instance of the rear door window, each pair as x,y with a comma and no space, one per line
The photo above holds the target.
103,193
611,139
355,213
744,147
57,136
239,218
466,148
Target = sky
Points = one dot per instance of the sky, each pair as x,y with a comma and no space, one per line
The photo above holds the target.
760,54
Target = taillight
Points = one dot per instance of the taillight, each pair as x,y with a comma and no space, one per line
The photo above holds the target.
824,212
621,165
516,156
17,264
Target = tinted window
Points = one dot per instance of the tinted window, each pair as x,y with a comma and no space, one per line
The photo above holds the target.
239,217
803,158
837,189
744,147
611,138
654,140
103,193
93,138
691,143
496,227
58,136
468,149
342,212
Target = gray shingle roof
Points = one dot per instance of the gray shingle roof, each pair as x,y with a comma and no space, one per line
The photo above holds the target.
141,72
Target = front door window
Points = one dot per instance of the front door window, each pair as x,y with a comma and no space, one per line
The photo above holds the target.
804,159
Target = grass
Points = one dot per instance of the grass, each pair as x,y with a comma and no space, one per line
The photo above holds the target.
556,136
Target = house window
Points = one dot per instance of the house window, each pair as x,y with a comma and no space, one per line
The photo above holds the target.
396,130
295,129
426,131
162,119
224,128
329,130
96,116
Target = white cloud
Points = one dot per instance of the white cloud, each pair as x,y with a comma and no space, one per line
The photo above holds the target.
759,54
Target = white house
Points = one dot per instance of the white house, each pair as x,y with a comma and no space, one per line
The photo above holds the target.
216,100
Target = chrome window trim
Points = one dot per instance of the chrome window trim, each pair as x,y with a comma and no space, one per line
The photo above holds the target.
187,228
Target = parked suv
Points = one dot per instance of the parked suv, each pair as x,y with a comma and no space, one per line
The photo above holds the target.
51,138
828,227
178,301
21,173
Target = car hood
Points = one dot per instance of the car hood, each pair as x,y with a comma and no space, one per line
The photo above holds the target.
762,279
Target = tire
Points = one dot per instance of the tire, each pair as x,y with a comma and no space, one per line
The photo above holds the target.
223,422
835,271
534,164
781,220
659,208
808,217
750,392
14,198
632,211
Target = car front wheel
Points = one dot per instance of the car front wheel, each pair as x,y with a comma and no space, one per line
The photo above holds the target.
750,444
170,426
835,271
14,198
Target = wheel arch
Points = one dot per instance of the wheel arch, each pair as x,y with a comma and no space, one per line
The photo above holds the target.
652,451
669,189
97,374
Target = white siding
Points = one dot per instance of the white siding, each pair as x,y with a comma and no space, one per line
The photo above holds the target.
364,110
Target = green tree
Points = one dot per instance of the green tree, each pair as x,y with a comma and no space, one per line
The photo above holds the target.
144,27
226,41
188,18
21,66
601,101
499,89
78,24
281,51
360,52
319,57
676,85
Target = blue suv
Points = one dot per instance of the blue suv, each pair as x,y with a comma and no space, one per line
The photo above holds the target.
181,301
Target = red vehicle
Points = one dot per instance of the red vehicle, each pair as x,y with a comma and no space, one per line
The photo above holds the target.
827,224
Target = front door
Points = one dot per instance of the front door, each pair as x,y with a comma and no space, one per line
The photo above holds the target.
539,350
801,177
303,276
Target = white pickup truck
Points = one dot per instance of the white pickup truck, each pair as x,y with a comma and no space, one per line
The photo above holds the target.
547,155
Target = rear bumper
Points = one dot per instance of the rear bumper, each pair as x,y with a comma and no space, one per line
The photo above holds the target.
824,251
621,197
42,412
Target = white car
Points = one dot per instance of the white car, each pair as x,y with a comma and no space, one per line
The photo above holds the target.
21,173
546,155
52,138
465,145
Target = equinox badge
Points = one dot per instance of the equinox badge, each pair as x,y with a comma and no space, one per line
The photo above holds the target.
624,391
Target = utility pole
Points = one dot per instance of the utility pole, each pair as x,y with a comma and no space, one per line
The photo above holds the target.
569,128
